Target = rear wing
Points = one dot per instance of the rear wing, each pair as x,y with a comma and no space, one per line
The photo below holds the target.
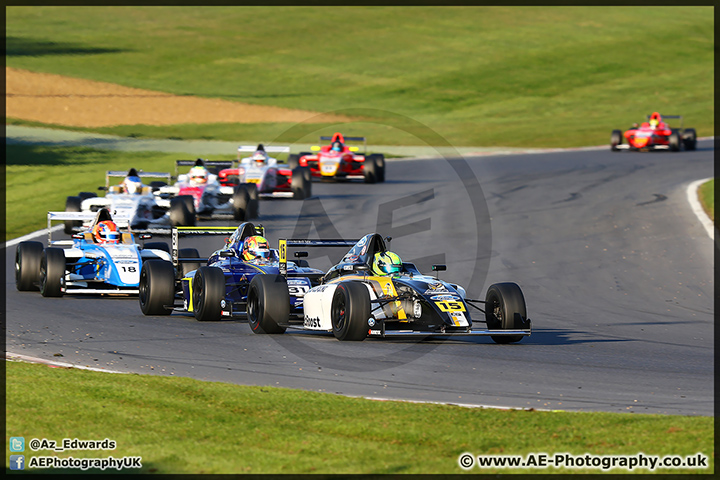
63,216
213,165
284,244
271,149
178,232
141,174
675,117
347,139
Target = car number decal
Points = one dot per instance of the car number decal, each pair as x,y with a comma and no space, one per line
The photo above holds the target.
448,306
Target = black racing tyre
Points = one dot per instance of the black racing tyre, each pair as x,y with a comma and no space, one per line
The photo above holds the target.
241,201
52,272
72,204
254,200
157,287
689,139
674,140
157,246
157,184
180,216
307,173
350,311
84,195
505,310
379,166
208,290
189,201
293,161
188,267
300,185
268,304
615,140
370,169
27,265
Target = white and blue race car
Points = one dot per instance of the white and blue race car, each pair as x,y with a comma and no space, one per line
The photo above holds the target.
86,267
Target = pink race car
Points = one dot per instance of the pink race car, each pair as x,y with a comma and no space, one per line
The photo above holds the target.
655,134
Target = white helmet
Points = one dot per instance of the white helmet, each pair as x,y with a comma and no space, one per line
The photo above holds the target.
260,158
132,185
198,175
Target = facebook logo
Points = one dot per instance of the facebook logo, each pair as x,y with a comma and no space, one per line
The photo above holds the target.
17,444
17,462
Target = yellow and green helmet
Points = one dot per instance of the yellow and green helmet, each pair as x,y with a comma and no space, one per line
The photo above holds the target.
386,263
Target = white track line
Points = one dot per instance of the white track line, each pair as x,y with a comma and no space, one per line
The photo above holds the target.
16,357
692,195
29,236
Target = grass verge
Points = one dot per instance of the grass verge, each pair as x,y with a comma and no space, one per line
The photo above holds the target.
181,425
706,194
506,76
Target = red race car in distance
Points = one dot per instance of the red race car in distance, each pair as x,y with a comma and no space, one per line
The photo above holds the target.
655,134
338,161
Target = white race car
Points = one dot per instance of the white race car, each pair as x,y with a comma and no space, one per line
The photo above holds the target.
262,172
143,208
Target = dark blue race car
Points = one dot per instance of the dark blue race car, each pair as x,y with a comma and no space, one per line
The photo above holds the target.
216,288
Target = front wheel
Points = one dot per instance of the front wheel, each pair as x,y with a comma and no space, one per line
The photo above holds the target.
268,304
241,203
615,140
179,213
370,169
27,265
505,310
379,166
689,139
72,204
674,140
157,287
208,292
52,272
300,183
350,311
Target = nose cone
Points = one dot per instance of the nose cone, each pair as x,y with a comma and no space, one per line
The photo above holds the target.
641,142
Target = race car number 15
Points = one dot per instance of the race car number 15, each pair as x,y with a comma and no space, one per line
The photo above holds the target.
447,306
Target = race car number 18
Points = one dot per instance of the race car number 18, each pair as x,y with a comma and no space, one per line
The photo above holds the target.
448,306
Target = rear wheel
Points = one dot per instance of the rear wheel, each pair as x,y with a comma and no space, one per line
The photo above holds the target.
293,161
379,166
689,139
179,213
674,140
188,267
157,246
241,201
27,265
300,184
505,310
370,169
615,140
208,291
189,201
350,311
254,201
52,272
268,304
157,287
72,204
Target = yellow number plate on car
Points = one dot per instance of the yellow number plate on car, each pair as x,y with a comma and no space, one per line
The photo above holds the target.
447,306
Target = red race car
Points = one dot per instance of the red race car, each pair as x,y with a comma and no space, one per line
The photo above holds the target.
655,134
338,161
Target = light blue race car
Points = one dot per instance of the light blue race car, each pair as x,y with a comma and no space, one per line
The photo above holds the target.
86,267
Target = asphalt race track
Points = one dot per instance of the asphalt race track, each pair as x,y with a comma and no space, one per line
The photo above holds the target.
616,269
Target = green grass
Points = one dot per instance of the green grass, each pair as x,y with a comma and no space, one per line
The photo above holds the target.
481,76
181,425
706,193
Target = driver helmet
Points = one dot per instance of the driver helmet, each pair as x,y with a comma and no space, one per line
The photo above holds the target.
655,119
260,158
106,232
254,248
198,175
132,185
337,147
385,263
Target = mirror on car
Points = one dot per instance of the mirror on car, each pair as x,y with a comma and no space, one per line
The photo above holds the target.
227,253
102,188
301,254
439,268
